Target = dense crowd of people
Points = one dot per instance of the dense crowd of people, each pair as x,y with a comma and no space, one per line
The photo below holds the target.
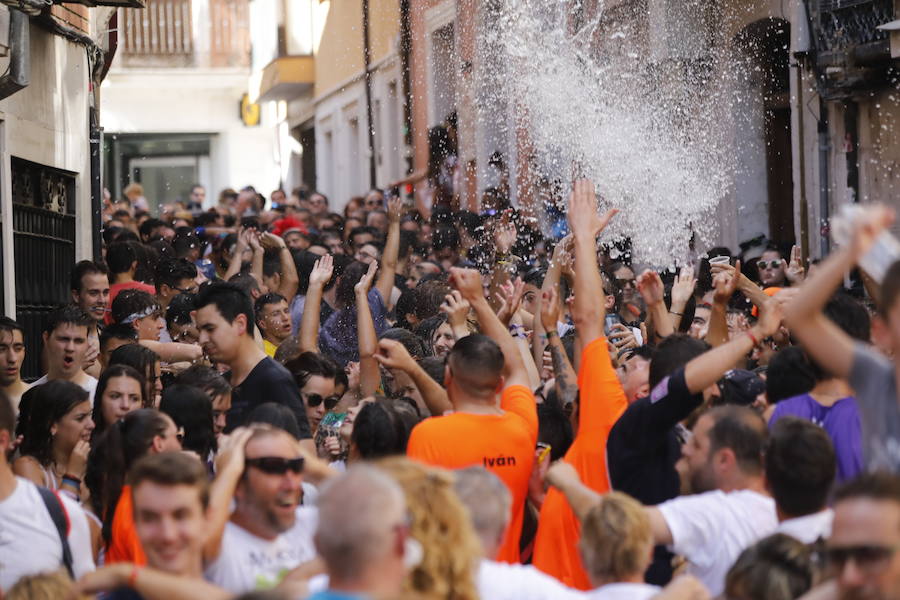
269,399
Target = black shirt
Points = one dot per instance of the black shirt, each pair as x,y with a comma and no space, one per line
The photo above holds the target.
269,381
643,447
122,593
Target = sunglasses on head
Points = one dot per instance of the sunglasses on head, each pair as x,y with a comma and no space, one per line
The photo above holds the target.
772,264
275,465
316,399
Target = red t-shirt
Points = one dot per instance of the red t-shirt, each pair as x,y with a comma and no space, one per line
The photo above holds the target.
503,444
602,403
115,288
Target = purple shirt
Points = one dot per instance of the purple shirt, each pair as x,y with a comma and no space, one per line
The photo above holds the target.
841,422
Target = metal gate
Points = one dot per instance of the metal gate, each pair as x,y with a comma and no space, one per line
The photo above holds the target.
43,210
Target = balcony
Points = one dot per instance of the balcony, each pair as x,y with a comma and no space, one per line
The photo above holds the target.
285,78
186,34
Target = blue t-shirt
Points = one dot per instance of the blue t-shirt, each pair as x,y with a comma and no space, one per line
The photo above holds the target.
338,337
330,595
842,423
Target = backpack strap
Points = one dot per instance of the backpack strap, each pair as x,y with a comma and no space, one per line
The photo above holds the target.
60,518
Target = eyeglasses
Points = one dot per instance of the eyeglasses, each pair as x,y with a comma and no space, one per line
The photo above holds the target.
625,282
772,264
276,465
870,559
313,400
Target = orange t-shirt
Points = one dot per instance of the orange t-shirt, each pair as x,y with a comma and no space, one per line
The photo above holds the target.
602,403
124,545
503,444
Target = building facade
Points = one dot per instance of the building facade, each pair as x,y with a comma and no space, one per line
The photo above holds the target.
175,111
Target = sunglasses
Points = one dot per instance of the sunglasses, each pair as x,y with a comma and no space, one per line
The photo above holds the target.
772,264
316,399
866,558
275,465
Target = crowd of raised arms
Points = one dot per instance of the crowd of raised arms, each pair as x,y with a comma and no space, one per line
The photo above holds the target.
269,399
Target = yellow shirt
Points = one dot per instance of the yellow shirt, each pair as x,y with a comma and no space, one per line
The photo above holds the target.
269,348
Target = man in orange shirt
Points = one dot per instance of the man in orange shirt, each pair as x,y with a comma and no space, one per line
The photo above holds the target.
479,432
601,399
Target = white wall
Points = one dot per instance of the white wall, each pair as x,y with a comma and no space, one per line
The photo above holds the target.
196,101
47,123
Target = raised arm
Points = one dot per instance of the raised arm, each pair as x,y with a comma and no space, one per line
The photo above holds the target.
468,282
580,497
457,311
652,290
823,340
709,367
588,310
369,374
385,282
393,355
564,376
725,285
312,308
682,290
551,282
237,257
172,352
229,469
290,281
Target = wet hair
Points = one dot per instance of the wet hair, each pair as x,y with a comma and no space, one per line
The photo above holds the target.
554,428
742,431
110,372
147,227
673,353
850,315
229,300
179,310
432,294
171,469
308,364
191,408
119,257
278,416
879,485
379,431
82,268
434,366
143,360
445,237
120,446
172,271
413,343
800,466
131,305
344,294
778,567
265,300
246,282
117,331
789,374
477,362
426,330
68,314
40,408
206,378
8,325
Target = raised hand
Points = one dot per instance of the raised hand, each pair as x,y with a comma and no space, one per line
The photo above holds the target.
468,282
726,284
322,271
560,473
365,282
771,314
651,287
78,459
394,355
505,236
684,286
621,337
456,308
231,450
270,241
550,309
871,221
395,209
583,218
511,296
794,270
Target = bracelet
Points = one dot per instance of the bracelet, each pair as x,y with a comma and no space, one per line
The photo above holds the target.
550,334
72,478
72,482
672,312
752,338
132,578
515,327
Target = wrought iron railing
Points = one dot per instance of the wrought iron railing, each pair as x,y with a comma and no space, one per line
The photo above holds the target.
839,25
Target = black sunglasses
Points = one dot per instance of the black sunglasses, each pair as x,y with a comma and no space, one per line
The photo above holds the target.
316,399
275,465
772,264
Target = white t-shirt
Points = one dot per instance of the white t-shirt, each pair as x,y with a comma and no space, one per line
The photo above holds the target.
90,385
247,562
712,529
624,591
29,541
808,529
503,581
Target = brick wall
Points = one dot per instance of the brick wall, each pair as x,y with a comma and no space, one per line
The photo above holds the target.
73,15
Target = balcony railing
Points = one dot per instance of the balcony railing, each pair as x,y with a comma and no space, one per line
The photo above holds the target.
186,33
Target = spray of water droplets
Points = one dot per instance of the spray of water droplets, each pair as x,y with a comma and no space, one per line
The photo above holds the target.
599,97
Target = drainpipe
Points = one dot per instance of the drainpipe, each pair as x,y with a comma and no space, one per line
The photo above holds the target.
19,71
824,148
405,75
367,63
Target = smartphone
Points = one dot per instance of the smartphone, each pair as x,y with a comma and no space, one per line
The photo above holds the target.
611,319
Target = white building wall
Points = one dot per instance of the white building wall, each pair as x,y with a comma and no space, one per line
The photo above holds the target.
47,123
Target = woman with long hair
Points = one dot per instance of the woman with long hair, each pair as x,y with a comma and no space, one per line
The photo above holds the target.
146,362
141,432
55,424
441,524
192,411
119,391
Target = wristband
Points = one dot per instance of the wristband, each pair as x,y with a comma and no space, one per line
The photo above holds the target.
752,338
72,478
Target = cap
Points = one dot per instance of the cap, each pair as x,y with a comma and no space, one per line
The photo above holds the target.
741,387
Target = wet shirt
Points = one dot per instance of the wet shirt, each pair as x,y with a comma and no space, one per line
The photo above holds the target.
503,444
874,379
